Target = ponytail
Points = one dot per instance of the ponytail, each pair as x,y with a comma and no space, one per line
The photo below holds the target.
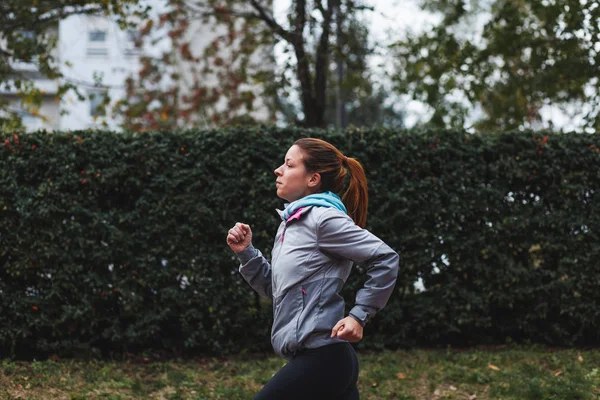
356,197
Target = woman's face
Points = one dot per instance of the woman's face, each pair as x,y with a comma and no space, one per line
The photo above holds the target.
293,182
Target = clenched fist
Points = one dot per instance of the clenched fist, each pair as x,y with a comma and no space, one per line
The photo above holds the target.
239,237
348,329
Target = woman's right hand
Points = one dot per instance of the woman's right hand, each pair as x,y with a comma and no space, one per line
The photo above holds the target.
239,237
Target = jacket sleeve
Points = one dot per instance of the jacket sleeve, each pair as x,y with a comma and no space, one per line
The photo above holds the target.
256,270
340,237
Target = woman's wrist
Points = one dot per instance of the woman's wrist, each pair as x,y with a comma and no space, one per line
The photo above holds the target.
247,254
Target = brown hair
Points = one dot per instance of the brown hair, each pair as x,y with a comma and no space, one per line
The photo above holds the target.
325,159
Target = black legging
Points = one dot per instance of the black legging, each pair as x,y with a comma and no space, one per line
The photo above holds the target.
328,372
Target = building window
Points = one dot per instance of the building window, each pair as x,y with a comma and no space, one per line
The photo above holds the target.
97,51
27,119
130,48
132,35
97,36
97,43
97,103
30,122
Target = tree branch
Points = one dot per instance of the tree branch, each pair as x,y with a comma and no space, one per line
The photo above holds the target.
270,21
202,12
46,18
260,15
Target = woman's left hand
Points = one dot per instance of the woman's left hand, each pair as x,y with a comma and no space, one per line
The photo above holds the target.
348,329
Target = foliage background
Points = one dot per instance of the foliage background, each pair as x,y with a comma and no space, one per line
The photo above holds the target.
114,243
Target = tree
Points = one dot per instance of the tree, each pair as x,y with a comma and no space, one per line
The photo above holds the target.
182,86
240,58
28,38
528,55
358,99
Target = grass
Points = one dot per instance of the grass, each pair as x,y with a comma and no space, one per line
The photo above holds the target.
514,373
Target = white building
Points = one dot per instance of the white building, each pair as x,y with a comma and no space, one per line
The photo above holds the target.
93,54
97,56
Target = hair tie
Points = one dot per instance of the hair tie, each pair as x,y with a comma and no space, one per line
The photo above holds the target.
345,159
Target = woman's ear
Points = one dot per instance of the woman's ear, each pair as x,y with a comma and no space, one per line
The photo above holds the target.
314,180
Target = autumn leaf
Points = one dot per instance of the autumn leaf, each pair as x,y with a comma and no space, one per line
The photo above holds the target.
147,27
400,375
557,373
492,366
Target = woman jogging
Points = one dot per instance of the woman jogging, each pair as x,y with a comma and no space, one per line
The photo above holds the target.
319,239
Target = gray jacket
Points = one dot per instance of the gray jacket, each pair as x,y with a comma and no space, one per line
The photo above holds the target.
310,262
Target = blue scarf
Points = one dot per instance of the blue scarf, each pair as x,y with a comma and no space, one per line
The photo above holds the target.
325,199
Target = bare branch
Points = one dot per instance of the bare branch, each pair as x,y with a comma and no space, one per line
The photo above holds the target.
91,85
197,11
49,18
270,21
364,8
204,12
211,13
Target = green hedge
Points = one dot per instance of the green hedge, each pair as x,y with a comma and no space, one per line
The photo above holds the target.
114,243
